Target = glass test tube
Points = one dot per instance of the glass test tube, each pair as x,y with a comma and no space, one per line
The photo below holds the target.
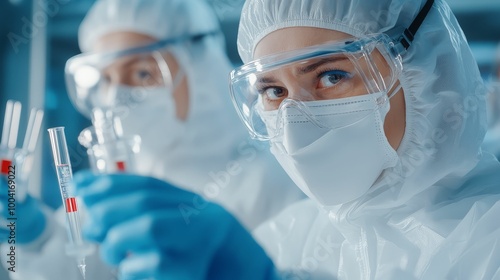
77,247
115,156
22,159
9,135
25,157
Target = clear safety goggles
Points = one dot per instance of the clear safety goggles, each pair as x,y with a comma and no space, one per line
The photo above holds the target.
308,85
93,79
332,85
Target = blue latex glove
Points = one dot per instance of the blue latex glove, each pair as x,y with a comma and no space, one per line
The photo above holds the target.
30,221
152,229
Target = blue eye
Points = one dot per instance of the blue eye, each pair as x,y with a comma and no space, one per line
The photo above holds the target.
143,74
273,93
331,78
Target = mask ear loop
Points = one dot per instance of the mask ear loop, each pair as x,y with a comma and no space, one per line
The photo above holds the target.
178,79
167,74
395,89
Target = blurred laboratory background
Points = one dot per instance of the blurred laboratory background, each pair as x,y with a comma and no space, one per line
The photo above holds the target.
38,36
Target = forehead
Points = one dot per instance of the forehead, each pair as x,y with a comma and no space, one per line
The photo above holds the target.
117,41
295,38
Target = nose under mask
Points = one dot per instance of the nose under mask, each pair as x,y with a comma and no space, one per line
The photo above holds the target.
339,159
151,114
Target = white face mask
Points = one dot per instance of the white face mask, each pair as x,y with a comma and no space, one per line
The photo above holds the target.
151,114
334,166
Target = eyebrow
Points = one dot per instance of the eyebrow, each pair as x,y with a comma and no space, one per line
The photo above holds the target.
127,62
316,65
266,80
304,70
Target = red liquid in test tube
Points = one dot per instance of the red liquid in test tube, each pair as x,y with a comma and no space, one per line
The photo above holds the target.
4,169
120,166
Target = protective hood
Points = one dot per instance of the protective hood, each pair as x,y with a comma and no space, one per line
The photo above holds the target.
149,17
444,93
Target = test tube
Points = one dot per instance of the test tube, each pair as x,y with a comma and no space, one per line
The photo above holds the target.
25,156
9,135
10,154
33,130
108,150
116,156
77,247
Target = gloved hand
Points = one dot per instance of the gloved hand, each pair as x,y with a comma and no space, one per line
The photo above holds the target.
152,229
30,221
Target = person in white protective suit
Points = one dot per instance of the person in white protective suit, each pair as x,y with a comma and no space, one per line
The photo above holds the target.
382,133
190,134
492,138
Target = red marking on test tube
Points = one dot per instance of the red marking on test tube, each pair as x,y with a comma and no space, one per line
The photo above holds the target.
120,165
71,205
5,166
